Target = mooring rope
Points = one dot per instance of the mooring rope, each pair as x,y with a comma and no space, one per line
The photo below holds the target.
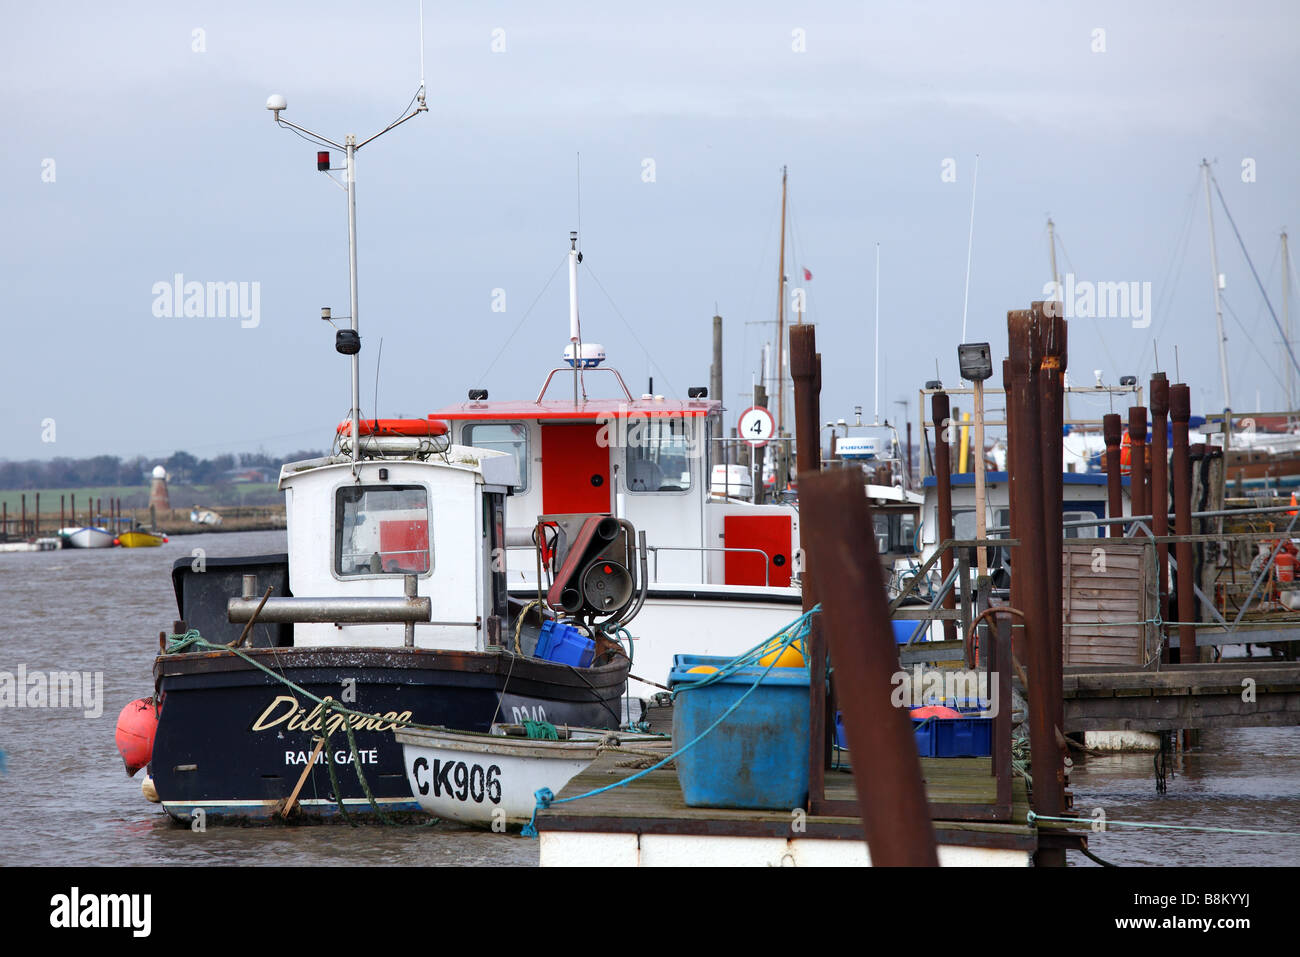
1033,817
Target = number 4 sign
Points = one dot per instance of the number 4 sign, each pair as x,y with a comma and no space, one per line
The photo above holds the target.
756,426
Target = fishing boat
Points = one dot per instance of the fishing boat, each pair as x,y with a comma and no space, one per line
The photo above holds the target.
407,621
141,538
390,608
87,536
721,569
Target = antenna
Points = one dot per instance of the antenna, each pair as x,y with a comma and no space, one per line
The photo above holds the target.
378,359
421,93
970,244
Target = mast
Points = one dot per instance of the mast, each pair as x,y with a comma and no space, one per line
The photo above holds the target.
1060,297
781,347
1218,307
877,409
1286,324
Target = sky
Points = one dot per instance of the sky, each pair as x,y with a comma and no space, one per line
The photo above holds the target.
138,149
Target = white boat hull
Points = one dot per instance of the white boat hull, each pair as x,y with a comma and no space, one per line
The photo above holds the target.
487,780
87,537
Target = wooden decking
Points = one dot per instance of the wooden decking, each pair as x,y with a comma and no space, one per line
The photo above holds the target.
654,804
1241,694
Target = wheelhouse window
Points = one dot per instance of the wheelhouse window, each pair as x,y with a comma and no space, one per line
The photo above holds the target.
508,437
659,454
381,530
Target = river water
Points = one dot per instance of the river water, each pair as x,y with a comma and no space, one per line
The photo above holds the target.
67,799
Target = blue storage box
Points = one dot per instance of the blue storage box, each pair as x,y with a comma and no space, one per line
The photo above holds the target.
563,643
953,737
758,757
942,737
903,631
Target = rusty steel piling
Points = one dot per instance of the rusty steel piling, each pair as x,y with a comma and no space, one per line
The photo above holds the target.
1110,429
1137,473
842,551
942,418
1159,490
1044,690
1180,405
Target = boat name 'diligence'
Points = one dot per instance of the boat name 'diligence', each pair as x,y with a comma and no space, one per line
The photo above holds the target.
300,719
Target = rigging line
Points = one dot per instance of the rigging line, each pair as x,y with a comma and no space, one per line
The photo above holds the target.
807,287
310,139
523,319
1250,339
614,306
1178,257
970,245
1105,347
762,258
1262,291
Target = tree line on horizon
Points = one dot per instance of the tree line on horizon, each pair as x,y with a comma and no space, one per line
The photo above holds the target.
110,470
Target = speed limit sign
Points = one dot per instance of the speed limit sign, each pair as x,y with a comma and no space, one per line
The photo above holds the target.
756,426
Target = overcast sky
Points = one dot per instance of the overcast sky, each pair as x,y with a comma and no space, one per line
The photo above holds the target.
138,148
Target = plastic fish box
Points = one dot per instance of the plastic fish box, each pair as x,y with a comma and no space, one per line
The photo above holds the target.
563,643
953,737
758,757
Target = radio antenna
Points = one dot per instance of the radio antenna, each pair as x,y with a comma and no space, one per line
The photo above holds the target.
421,93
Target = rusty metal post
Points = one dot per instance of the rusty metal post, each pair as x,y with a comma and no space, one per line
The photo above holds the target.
887,772
1053,339
73,514
1180,408
1137,472
940,414
22,521
62,523
1159,490
910,474
1048,770
805,373
1011,488
1110,429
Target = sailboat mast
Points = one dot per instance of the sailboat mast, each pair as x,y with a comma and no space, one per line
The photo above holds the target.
1060,297
1218,307
780,340
1286,324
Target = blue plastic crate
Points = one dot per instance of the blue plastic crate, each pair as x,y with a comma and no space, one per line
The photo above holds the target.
758,757
563,643
953,737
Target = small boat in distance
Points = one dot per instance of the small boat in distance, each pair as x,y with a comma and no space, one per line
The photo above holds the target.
86,537
141,538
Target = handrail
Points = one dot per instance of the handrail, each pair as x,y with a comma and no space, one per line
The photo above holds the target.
767,578
547,384
953,543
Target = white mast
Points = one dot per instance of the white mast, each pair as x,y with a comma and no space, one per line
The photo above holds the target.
1218,308
877,415
575,329
1286,324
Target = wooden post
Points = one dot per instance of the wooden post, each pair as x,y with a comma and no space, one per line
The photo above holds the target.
1053,339
891,795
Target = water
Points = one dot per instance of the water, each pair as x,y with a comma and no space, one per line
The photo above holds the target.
1236,778
67,800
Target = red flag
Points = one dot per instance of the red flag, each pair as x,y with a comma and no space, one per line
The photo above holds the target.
806,274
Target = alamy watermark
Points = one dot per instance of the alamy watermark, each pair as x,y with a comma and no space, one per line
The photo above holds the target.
53,689
945,686
1084,299
179,299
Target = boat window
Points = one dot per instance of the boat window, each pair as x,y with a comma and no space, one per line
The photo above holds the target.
508,437
381,530
659,455
881,524
1088,531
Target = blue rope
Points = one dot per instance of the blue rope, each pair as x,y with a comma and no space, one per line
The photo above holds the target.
797,629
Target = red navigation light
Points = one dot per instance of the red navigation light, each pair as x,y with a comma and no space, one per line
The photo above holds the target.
323,160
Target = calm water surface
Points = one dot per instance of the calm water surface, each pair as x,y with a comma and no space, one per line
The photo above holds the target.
67,800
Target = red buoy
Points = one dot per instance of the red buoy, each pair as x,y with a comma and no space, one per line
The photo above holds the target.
136,727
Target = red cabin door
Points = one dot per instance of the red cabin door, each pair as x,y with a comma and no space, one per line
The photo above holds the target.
575,470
